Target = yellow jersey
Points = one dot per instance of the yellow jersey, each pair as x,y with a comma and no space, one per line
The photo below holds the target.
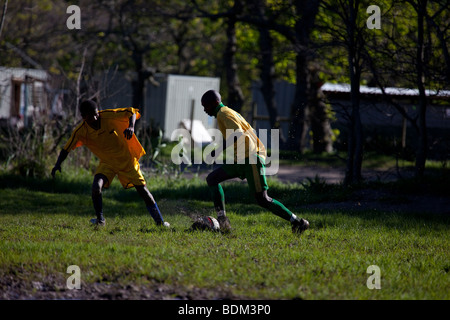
108,143
227,118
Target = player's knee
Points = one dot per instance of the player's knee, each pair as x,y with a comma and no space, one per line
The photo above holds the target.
146,195
97,185
263,199
96,190
210,180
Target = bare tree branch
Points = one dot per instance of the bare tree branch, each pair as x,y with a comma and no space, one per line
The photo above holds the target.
2,22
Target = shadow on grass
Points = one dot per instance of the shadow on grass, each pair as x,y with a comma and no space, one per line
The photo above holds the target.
57,185
73,195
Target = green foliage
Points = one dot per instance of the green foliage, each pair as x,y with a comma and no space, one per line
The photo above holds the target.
191,44
177,37
28,150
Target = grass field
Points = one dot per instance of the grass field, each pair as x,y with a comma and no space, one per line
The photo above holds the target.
44,229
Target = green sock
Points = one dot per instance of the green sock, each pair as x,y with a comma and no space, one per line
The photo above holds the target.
218,197
280,210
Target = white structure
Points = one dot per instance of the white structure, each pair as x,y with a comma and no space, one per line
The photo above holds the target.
22,93
375,110
176,98
198,133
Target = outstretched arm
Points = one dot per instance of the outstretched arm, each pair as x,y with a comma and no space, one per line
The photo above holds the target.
62,156
128,132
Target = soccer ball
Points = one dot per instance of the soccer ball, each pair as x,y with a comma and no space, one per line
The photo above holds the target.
214,223
206,223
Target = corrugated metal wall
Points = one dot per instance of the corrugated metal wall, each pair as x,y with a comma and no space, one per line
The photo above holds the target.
5,95
181,91
155,101
167,103
372,113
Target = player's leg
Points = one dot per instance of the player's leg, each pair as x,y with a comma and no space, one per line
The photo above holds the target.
274,206
257,182
256,179
298,224
151,205
213,180
97,187
133,177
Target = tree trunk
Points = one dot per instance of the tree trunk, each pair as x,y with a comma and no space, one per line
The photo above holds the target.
307,11
266,64
298,127
267,76
319,115
138,82
235,95
421,152
355,138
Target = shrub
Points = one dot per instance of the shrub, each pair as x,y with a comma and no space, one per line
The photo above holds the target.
31,151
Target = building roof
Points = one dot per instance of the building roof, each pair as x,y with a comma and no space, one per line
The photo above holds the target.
395,92
20,73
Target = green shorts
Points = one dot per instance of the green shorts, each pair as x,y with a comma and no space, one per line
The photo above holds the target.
254,173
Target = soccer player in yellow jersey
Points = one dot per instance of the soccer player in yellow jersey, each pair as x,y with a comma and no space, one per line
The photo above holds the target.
249,164
109,134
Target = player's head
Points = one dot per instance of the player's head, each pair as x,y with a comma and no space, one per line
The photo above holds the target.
210,100
89,110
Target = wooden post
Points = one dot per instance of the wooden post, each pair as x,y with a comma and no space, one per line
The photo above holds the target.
191,129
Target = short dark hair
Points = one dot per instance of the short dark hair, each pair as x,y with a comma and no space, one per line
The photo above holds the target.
87,107
211,96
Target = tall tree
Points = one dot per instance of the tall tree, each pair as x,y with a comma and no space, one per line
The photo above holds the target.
306,14
348,27
320,112
229,13
420,6
2,18
235,95
258,10
137,36
408,52
295,20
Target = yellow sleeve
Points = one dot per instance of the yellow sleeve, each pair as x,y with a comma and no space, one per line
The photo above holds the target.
120,113
74,140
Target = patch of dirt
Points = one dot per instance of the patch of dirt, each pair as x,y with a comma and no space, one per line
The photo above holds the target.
17,287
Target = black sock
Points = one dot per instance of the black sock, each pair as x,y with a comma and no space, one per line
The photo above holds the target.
98,206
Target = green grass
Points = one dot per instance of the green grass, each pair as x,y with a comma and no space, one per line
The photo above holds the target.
44,229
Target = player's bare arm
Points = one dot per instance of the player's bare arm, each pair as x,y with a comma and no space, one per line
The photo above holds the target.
62,156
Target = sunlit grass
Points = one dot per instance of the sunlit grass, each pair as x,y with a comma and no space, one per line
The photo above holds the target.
44,229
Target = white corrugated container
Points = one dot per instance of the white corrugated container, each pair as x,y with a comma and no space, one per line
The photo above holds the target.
167,101
172,101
